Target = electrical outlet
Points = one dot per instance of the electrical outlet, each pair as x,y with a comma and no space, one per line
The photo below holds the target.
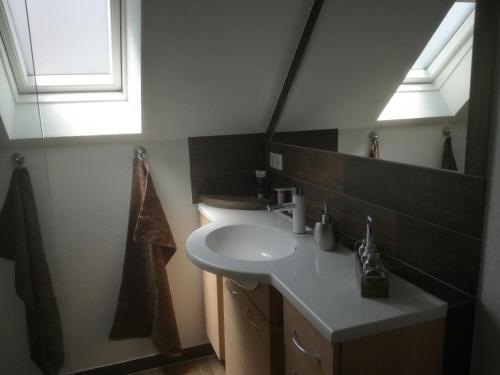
276,161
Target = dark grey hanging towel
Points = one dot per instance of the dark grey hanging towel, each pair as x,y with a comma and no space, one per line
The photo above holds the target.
448,159
21,242
145,306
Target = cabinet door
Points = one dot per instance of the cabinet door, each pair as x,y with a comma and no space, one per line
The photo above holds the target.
306,351
214,314
213,305
265,297
247,335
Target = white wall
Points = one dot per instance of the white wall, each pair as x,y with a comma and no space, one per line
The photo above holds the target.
85,224
413,142
359,54
216,67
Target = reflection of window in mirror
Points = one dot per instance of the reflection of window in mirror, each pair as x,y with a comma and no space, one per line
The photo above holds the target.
81,58
432,97
438,83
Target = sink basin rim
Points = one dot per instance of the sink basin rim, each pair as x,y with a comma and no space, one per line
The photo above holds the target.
251,242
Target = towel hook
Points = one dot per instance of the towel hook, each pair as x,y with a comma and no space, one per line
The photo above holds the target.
373,136
447,132
140,153
18,159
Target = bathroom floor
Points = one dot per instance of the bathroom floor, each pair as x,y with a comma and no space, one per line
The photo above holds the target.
204,366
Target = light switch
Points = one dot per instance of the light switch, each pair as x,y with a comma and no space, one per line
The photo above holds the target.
276,161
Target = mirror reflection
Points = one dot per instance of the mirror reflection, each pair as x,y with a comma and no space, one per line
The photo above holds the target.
396,88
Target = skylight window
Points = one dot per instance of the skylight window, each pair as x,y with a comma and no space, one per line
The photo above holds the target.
79,61
456,16
76,45
438,83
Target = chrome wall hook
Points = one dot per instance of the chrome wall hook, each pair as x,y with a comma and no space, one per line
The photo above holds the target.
447,132
140,153
18,159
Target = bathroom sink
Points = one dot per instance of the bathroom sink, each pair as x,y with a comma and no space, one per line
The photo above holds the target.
251,242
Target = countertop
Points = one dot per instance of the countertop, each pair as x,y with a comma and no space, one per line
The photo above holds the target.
321,285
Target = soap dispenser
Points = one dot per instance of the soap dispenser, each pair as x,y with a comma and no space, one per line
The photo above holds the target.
324,236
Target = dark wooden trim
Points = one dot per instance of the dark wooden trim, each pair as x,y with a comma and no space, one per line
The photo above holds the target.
151,362
482,86
294,67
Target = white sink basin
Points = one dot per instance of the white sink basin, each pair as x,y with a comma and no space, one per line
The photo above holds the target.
251,242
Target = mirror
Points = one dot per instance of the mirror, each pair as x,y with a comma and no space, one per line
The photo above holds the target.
19,111
392,77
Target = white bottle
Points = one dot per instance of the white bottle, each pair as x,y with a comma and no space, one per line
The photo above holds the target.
299,211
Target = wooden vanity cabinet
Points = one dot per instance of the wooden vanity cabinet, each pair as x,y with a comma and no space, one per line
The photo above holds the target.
257,332
253,338
413,350
213,307
306,351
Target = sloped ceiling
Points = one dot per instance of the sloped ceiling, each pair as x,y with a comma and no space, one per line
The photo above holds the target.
359,53
215,67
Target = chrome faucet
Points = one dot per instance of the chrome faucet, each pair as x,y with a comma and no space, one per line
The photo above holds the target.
296,207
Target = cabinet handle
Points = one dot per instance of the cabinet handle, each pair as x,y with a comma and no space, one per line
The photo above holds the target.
231,290
247,315
296,342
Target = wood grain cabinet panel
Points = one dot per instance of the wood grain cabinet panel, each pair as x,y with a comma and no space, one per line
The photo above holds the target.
265,297
214,308
306,351
247,335
413,350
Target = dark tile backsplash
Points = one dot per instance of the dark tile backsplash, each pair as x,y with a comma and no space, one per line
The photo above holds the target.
448,199
320,139
427,222
426,218
225,165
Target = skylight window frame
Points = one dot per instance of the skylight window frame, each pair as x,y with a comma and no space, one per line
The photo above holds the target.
68,88
459,44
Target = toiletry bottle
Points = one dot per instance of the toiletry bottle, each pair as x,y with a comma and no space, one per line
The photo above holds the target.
324,236
261,183
299,211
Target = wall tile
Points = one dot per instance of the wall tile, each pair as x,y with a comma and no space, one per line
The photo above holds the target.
225,165
227,158
426,218
235,183
440,197
447,255
315,166
352,214
318,139
226,139
371,181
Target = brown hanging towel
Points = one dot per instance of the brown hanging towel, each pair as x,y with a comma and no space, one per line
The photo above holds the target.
21,241
448,159
145,306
